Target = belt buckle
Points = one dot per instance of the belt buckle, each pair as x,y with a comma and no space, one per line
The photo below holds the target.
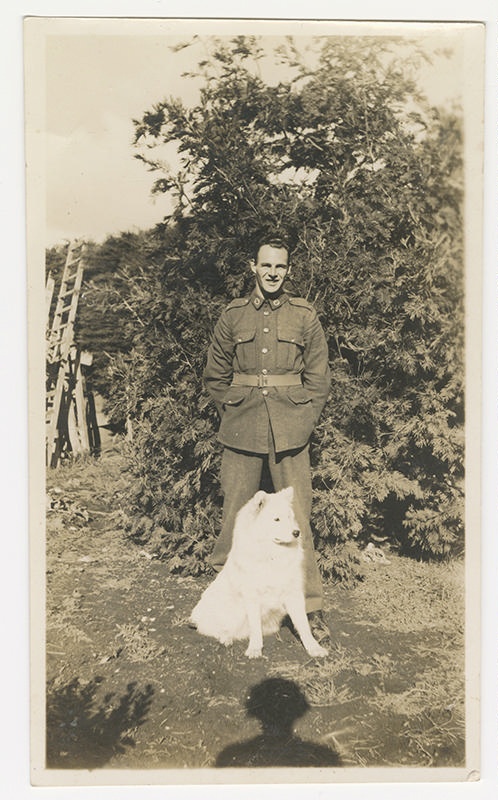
262,381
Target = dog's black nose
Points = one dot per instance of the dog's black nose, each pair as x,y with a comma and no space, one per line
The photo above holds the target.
296,534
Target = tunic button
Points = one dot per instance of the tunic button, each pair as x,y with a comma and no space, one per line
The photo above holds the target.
266,313
266,330
264,349
265,392
264,371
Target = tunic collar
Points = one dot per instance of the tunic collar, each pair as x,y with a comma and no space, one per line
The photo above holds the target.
273,302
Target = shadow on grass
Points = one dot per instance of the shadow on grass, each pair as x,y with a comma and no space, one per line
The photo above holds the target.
84,735
277,703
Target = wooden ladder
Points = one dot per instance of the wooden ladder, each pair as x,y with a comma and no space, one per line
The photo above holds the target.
61,377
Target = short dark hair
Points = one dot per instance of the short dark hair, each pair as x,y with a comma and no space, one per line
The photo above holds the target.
273,239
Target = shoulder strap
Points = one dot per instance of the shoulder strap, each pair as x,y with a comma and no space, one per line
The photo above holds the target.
301,302
238,302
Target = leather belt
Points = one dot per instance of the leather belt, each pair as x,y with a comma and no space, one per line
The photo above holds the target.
243,379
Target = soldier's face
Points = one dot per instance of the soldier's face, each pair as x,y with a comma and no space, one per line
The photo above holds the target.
271,268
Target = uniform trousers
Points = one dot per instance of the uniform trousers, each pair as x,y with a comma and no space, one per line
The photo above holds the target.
241,474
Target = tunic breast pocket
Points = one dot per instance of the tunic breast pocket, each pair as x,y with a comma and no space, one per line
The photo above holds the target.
290,348
245,350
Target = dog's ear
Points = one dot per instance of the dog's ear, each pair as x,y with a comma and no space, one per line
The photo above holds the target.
258,501
289,492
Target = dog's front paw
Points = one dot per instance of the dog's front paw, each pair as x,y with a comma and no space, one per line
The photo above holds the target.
316,650
254,652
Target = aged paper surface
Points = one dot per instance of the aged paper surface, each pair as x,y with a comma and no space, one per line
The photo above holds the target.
70,169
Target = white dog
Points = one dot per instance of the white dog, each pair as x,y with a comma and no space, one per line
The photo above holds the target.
262,579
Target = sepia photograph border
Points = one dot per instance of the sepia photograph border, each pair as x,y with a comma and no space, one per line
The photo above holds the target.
473,100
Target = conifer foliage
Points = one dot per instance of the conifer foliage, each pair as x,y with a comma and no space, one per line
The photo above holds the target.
348,158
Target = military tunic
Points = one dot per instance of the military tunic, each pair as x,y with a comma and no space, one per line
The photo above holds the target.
280,336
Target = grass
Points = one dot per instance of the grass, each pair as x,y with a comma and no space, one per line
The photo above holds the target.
137,643
318,679
426,595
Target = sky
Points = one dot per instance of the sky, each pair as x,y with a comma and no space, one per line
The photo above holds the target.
97,81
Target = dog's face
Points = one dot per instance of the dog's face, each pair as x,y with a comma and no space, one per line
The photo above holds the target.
274,518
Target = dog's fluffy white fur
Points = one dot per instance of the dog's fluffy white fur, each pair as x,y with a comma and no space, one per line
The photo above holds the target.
262,579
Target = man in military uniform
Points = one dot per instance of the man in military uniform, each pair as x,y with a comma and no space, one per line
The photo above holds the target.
267,372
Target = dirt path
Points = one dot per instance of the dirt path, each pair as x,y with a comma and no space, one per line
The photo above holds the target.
131,686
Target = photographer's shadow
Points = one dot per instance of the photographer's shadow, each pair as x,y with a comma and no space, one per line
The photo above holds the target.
277,703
